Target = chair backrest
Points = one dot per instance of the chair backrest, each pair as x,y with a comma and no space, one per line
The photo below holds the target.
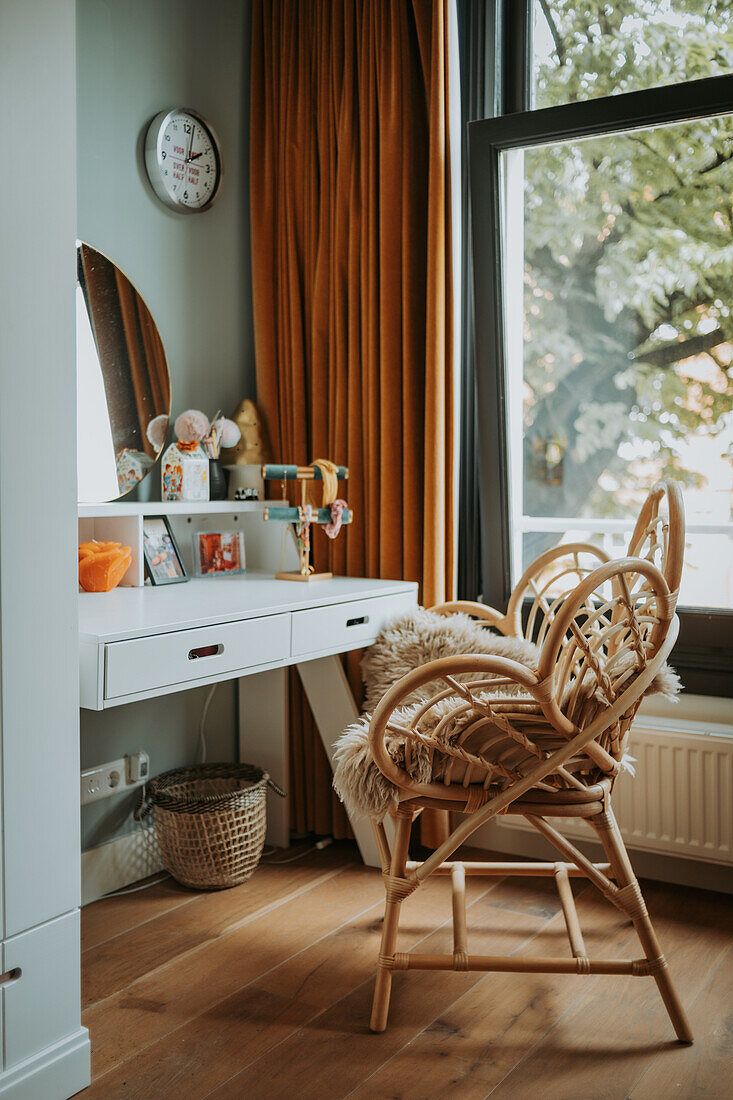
659,534
546,583
606,634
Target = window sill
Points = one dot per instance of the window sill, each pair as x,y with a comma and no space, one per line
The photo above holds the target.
689,714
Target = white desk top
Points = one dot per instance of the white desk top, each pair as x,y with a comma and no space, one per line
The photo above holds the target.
137,612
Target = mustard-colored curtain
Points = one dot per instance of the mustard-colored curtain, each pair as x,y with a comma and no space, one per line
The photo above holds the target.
352,289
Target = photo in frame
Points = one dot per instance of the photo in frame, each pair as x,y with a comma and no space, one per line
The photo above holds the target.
163,561
219,553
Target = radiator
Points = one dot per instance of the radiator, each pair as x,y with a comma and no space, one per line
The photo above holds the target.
679,803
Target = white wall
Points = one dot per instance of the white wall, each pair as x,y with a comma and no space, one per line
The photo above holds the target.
135,58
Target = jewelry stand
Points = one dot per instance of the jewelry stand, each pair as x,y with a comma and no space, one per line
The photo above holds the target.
302,516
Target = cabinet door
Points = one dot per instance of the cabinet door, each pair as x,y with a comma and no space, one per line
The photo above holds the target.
42,1006
39,638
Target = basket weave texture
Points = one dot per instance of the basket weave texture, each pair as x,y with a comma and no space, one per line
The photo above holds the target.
210,822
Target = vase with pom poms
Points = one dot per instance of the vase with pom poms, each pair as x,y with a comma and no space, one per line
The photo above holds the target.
185,467
224,433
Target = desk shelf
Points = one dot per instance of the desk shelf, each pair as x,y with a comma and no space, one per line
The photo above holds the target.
122,521
170,508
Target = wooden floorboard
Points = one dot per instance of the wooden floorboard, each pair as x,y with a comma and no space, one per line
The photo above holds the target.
114,963
711,1016
604,1043
336,1051
468,1049
112,916
265,991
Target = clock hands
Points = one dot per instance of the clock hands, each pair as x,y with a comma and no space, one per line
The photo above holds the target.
191,155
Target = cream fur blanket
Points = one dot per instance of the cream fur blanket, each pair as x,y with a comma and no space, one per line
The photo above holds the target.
405,643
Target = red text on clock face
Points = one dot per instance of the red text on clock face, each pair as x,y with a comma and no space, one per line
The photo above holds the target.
187,161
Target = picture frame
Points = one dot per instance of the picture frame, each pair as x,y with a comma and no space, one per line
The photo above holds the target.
219,554
163,561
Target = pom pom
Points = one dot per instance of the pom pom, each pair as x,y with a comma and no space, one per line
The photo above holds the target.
191,426
157,430
229,433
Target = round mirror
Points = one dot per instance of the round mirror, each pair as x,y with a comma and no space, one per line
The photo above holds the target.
123,384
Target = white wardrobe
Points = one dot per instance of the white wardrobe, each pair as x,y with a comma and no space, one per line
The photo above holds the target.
44,1051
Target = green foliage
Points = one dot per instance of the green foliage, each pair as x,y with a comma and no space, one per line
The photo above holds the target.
628,260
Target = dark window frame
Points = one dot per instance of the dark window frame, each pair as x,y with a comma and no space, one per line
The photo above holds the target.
704,652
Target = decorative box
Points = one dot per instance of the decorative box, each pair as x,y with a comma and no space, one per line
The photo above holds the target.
132,467
185,472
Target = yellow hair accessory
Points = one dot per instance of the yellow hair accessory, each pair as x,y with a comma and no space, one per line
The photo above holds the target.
329,476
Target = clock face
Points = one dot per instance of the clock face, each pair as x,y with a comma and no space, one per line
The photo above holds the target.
183,160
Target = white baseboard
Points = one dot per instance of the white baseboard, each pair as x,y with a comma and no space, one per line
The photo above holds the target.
119,862
56,1073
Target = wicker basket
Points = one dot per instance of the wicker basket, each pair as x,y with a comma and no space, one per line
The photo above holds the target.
210,822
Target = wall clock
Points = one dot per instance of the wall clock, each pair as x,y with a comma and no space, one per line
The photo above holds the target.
183,160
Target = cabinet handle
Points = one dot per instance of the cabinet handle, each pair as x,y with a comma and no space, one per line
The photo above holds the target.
205,651
361,621
10,976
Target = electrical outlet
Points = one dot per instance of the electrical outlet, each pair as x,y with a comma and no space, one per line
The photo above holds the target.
114,777
138,767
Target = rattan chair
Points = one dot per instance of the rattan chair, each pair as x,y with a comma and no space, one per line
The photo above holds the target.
546,741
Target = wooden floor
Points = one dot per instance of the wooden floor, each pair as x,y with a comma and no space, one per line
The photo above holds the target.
264,991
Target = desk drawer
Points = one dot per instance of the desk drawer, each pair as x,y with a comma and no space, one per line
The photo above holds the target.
181,657
345,626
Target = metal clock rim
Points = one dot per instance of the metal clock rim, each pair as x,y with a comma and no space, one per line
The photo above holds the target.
153,138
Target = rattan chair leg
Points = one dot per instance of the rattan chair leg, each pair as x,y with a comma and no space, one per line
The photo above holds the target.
613,843
383,987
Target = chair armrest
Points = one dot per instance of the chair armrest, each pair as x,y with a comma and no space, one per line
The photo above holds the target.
488,669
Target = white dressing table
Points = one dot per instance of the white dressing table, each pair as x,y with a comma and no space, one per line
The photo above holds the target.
140,642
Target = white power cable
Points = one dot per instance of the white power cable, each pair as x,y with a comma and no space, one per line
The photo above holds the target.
202,723
135,889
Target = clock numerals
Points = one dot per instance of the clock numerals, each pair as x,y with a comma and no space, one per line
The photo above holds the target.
182,160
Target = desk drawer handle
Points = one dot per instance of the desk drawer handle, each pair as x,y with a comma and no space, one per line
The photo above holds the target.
361,621
205,651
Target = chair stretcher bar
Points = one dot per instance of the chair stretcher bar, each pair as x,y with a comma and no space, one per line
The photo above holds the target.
546,870
527,965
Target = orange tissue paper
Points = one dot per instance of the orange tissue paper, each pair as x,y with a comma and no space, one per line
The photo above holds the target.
102,565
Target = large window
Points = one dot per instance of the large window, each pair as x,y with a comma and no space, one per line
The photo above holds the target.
626,295
603,250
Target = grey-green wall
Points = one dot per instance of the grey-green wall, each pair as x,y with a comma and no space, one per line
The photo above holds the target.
135,58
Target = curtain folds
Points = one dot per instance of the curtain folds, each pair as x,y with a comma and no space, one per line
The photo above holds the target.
352,290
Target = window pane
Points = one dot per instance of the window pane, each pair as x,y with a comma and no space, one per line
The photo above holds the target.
619,262
597,48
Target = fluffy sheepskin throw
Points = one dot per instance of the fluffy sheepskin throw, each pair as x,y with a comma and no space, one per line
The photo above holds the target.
407,642
419,636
